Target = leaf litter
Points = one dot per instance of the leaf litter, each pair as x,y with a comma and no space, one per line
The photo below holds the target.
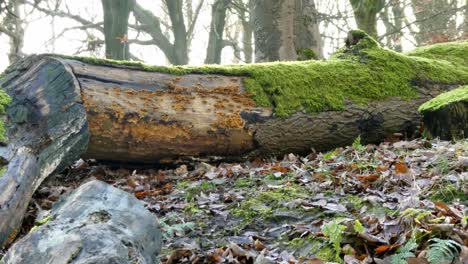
402,202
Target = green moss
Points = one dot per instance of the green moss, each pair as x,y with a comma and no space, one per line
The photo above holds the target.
40,222
456,52
244,183
182,184
361,73
306,54
310,246
205,187
3,170
449,193
457,95
5,100
191,208
355,201
261,206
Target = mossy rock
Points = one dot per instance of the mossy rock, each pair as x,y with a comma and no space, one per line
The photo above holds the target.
360,73
446,116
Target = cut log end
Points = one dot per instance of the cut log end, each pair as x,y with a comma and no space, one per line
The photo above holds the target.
446,116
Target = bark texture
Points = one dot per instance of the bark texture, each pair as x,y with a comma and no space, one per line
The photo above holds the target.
97,223
116,13
365,13
449,122
47,131
215,40
283,30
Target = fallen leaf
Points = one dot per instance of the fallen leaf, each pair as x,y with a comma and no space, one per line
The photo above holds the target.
401,168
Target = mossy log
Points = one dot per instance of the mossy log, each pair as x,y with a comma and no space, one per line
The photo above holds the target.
67,107
446,116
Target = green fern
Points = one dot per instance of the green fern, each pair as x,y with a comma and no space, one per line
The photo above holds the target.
334,230
404,252
357,144
416,214
442,249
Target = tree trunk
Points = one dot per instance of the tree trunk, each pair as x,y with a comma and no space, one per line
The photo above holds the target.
307,39
282,29
96,223
215,41
13,28
174,7
144,114
365,13
116,13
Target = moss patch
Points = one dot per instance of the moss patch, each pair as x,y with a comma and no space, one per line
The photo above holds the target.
360,73
456,52
5,100
457,95
262,206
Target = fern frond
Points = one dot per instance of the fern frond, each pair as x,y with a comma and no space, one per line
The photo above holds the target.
404,252
442,249
334,231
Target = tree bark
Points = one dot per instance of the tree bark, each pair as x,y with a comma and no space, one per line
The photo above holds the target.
116,13
306,31
365,13
12,26
215,40
282,29
47,131
96,223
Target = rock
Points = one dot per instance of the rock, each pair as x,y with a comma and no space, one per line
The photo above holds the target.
96,223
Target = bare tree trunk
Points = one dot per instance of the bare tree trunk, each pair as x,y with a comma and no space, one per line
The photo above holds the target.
116,13
365,13
307,39
282,28
13,28
215,41
176,15
392,17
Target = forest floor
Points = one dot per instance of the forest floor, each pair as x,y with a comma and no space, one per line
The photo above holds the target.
389,203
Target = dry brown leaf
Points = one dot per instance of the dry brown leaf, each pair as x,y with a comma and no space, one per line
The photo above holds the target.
384,248
401,168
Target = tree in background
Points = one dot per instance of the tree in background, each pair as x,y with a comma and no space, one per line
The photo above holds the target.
215,41
116,13
435,21
365,13
285,30
12,26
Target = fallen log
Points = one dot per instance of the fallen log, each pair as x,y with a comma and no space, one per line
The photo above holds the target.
66,107
96,223
446,116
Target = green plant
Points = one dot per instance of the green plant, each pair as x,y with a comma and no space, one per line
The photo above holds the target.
416,214
357,144
404,252
170,228
358,227
334,231
442,249
330,154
